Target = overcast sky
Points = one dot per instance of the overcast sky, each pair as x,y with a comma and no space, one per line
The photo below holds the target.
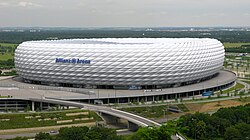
124,13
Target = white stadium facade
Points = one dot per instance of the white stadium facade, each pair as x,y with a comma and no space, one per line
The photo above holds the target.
120,63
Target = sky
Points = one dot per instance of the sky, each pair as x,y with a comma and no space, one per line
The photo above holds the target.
124,13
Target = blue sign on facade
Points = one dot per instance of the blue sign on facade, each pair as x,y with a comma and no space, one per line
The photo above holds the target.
73,61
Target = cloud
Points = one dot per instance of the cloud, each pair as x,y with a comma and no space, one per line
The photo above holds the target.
246,14
89,13
13,4
28,4
4,4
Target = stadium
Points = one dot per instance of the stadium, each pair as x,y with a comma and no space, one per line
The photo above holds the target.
119,63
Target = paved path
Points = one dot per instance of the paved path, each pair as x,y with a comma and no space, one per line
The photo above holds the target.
247,86
186,101
29,90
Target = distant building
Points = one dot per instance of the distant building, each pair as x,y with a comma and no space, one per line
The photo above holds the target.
122,63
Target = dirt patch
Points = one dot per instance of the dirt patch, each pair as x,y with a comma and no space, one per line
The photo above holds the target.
213,106
210,107
78,113
64,121
193,107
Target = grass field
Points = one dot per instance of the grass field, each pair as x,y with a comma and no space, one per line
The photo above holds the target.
233,45
8,44
246,81
4,96
149,111
7,55
153,111
244,99
238,86
182,107
30,120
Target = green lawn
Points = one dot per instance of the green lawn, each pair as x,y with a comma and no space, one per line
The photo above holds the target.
8,44
246,81
182,107
4,96
6,56
149,111
153,111
29,120
233,45
244,99
238,86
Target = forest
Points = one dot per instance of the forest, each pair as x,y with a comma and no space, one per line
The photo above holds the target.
227,123
27,35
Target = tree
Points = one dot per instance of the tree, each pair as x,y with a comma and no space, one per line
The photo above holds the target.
20,138
104,133
142,101
244,130
157,98
169,129
76,133
43,136
225,64
200,130
153,133
92,135
27,108
237,66
232,134
162,99
247,63
217,126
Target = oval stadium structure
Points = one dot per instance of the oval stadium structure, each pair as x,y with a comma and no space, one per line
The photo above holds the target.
129,63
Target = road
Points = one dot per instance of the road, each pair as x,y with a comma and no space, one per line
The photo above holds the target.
140,121
247,86
12,136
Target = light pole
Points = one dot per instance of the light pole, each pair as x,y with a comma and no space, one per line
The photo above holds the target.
115,93
115,96
89,97
108,98
167,109
98,92
164,112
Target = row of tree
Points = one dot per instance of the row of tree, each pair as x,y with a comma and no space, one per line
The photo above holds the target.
241,49
101,133
226,123
224,36
78,133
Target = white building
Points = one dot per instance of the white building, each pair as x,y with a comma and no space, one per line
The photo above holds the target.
130,63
